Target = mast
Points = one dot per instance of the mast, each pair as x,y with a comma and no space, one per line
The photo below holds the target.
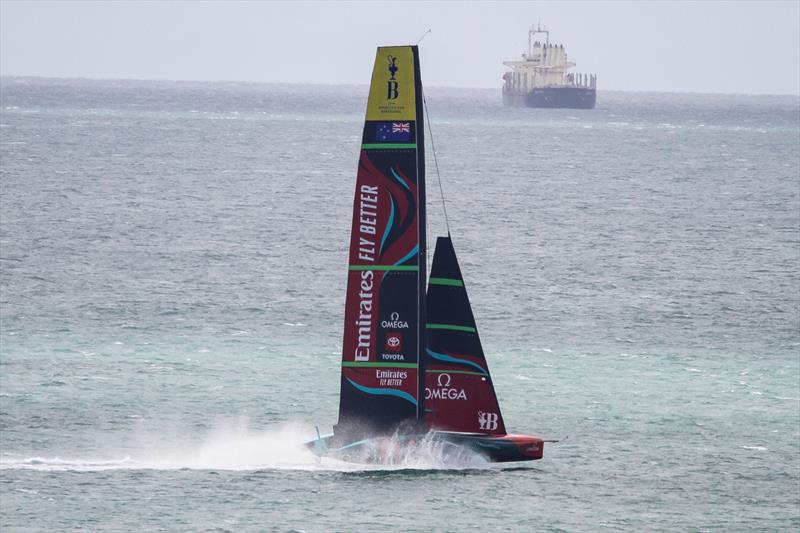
422,228
533,31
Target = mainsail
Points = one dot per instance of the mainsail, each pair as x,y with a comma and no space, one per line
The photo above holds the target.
459,395
385,303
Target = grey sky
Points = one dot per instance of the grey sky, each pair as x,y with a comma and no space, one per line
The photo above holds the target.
726,47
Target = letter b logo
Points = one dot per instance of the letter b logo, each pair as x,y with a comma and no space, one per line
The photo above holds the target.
391,90
487,421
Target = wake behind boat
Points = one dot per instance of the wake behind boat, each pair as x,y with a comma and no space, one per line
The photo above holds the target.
413,369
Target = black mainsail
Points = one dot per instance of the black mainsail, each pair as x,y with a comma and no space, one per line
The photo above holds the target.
381,382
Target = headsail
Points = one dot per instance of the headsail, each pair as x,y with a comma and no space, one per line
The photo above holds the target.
459,395
385,304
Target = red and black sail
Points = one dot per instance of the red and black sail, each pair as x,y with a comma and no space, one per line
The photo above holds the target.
385,304
459,395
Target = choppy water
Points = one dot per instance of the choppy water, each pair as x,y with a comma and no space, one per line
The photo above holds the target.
173,265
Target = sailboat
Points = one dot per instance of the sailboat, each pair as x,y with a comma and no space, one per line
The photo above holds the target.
413,368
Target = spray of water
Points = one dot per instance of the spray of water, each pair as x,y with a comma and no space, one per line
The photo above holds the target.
236,447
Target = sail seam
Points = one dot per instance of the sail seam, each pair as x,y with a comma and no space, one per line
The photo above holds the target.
377,364
389,146
452,327
408,268
446,281
448,371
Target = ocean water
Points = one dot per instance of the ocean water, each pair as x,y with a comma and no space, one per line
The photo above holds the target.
172,271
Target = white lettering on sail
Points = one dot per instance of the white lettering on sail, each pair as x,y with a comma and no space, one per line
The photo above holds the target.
391,378
364,322
367,221
445,394
487,421
395,322
443,391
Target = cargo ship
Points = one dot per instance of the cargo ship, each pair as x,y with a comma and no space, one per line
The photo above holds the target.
542,79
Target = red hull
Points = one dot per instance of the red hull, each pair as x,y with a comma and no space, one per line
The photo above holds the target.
494,448
499,448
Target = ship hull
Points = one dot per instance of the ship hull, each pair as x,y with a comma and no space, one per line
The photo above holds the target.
553,97
453,445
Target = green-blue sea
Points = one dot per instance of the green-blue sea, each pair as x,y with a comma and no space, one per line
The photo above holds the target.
172,272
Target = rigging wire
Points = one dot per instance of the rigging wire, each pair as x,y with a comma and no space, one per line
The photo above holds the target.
435,161
423,36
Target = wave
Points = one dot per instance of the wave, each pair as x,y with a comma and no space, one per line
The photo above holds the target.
238,448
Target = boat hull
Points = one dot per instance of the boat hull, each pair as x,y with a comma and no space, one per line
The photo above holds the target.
390,450
553,97
499,448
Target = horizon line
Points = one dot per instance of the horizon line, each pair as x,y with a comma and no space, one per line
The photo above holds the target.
499,87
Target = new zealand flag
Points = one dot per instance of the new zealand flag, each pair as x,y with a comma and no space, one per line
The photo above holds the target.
393,131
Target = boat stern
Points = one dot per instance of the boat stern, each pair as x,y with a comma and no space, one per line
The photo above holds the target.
529,447
499,448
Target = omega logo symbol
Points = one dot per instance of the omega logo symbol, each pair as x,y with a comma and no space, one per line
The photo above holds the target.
443,380
395,316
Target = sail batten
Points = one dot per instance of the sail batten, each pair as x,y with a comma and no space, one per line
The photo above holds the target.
390,146
446,281
452,327
398,268
353,364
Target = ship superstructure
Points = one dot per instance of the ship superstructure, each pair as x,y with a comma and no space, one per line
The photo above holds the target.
542,79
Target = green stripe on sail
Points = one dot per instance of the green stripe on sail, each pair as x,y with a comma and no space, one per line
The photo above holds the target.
452,327
455,372
446,281
408,268
356,364
390,146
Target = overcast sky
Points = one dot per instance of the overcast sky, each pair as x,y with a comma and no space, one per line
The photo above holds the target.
723,47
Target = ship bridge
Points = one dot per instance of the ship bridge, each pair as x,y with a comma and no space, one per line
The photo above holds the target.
543,65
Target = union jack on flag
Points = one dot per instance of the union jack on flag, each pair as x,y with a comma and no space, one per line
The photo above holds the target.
393,132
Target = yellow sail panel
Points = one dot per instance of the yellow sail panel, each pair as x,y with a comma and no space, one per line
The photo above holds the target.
391,95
